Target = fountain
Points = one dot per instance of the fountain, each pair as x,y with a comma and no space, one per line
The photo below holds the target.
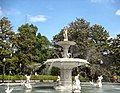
27,83
58,81
66,64
76,85
8,90
99,82
86,88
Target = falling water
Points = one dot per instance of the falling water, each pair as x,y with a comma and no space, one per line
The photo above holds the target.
50,67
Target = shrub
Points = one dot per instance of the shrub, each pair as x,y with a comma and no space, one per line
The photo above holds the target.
33,77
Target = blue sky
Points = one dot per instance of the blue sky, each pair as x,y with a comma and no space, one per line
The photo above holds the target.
50,16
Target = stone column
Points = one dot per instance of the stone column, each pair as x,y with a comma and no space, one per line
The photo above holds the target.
65,51
66,78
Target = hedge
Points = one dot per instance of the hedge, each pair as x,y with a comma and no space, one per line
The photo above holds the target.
38,77
33,77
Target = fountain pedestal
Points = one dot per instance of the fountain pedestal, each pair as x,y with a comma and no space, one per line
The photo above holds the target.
66,78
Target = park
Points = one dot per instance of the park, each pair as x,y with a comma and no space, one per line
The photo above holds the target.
79,59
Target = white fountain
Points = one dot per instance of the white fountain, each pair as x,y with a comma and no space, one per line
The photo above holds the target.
66,64
27,83
8,90
76,84
98,84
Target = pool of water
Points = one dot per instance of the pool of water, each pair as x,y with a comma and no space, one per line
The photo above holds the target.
43,88
107,88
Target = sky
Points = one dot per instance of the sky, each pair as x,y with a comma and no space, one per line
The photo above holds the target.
50,16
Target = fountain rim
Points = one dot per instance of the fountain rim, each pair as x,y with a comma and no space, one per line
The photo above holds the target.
65,43
66,63
67,60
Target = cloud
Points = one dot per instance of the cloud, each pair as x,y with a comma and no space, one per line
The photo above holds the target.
9,12
1,11
38,18
118,12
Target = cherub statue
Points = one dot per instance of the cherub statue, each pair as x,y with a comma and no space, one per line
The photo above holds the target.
27,78
98,84
58,81
76,84
27,84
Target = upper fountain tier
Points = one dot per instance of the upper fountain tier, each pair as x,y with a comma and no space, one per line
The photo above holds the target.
65,45
66,62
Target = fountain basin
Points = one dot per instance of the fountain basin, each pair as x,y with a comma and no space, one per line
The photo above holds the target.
48,88
68,63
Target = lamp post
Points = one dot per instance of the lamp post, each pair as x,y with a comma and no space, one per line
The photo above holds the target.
3,71
20,67
106,57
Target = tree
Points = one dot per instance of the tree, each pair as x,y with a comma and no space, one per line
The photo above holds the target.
32,49
25,43
114,55
99,41
91,42
6,47
42,48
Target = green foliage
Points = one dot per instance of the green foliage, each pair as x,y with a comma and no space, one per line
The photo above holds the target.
42,48
115,50
84,79
18,77
5,77
6,44
25,44
33,77
44,77
27,48
32,48
55,71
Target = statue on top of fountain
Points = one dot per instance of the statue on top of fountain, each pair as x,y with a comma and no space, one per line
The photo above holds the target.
65,33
